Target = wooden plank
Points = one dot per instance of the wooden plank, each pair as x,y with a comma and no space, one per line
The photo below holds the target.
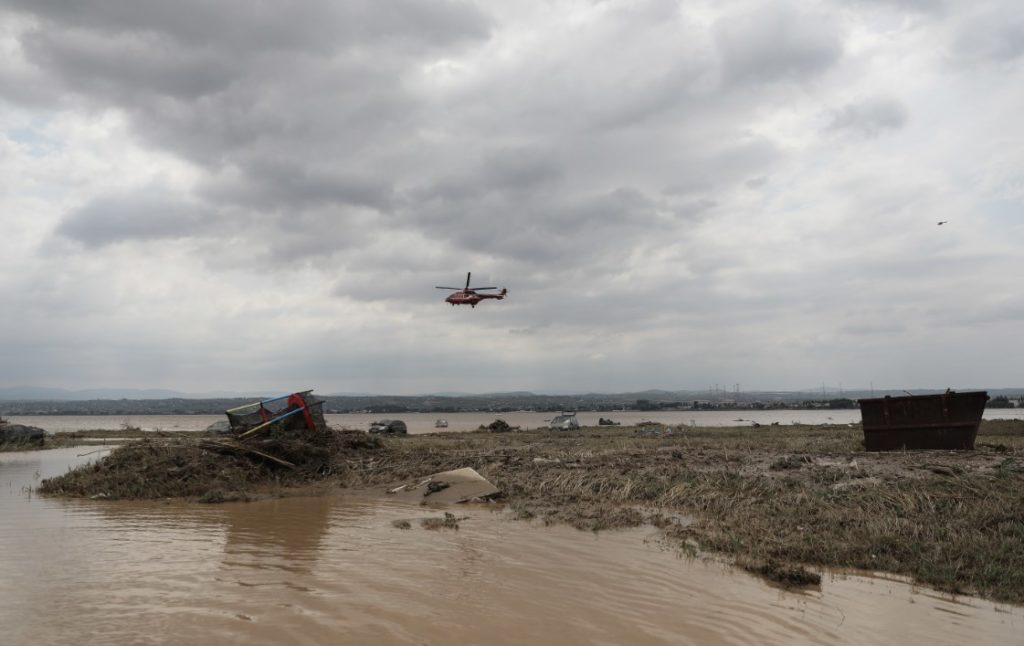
239,448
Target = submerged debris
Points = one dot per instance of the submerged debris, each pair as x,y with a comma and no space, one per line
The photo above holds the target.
448,521
460,485
653,429
498,426
789,576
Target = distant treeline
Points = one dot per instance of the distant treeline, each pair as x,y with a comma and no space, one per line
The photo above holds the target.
1002,401
498,403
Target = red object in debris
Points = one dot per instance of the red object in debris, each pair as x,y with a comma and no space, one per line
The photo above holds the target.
296,399
246,418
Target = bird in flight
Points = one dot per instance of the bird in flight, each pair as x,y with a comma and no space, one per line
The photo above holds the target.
943,222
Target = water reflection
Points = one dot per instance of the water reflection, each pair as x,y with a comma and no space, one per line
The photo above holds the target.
278,531
335,570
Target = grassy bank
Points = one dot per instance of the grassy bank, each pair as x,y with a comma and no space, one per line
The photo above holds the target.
98,437
790,495
772,497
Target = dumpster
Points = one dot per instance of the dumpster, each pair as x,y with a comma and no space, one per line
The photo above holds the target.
946,421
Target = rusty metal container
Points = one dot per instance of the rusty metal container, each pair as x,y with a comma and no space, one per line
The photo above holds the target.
946,421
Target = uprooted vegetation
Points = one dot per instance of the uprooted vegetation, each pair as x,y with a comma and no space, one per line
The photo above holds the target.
786,575
212,469
775,498
97,437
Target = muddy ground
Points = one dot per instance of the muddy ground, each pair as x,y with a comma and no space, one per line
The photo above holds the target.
771,497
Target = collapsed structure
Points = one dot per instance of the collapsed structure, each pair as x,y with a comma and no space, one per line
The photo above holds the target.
267,447
252,418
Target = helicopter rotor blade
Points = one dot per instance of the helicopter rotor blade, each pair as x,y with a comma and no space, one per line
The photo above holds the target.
479,288
468,274
458,289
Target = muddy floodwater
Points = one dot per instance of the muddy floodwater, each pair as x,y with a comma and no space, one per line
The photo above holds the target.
336,570
426,422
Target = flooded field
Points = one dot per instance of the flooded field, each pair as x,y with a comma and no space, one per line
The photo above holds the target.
335,570
425,422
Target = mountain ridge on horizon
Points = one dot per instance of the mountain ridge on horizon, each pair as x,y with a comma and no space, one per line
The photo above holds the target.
39,393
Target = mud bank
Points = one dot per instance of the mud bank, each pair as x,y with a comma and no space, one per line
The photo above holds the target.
207,468
766,496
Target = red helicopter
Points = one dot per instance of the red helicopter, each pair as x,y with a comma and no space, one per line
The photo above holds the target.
468,295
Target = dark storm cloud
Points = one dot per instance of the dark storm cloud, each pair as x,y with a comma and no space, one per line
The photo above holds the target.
273,184
520,169
992,35
295,123
133,216
278,107
869,118
241,26
212,81
562,230
126,63
291,135
281,112
919,6
501,171
776,42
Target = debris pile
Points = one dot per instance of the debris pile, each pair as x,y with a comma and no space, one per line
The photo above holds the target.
19,435
290,448
498,426
448,521
459,485
302,410
654,429
213,469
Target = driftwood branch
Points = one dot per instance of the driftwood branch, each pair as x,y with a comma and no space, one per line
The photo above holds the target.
233,447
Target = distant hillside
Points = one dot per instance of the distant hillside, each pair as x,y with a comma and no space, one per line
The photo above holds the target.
650,400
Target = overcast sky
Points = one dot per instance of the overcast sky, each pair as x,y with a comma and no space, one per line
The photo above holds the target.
237,196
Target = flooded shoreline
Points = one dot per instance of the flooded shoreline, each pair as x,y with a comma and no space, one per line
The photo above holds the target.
334,569
947,518
459,422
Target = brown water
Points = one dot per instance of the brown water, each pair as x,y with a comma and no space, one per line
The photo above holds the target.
334,570
425,422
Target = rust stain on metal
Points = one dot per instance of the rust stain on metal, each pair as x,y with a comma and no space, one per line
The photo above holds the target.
945,421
